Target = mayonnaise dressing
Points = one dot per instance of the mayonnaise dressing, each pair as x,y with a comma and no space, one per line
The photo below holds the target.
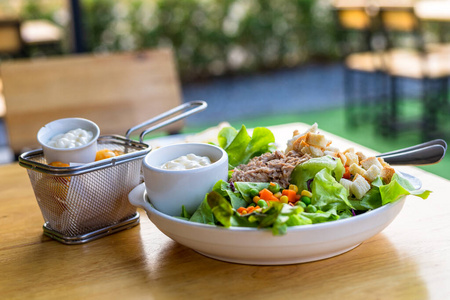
185,162
74,138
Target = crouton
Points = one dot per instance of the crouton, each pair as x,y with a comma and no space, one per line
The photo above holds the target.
386,174
311,150
349,150
296,145
361,156
359,186
313,128
290,143
352,158
355,169
342,157
371,174
368,162
330,153
317,140
382,162
332,149
315,151
346,183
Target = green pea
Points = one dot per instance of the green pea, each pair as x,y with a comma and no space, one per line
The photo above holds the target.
254,192
311,209
262,203
274,188
306,200
301,203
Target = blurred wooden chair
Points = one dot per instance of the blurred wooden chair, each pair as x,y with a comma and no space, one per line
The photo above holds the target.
11,42
407,57
363,76
116,91
41,35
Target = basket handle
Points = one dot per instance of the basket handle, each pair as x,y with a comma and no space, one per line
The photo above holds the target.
190,107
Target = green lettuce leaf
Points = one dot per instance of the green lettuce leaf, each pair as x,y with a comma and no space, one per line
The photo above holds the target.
226,136
328,193
203,214
321,216
184,213
307,170
244,189
399,187
224,189
220,207
239,221
278,216
371,200
241,147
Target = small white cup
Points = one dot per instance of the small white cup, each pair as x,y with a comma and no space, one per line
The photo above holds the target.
83,154
169,190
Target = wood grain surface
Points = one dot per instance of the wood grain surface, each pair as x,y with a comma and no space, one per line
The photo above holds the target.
408,260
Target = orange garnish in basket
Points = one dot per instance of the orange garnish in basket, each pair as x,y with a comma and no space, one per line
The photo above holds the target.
59,164
118,152
106,153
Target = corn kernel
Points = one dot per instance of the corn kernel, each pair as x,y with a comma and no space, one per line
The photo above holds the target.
278,195
293,187
284,199
306,193
256,199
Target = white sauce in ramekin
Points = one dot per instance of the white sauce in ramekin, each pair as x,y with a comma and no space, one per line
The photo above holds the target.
72,139
186,162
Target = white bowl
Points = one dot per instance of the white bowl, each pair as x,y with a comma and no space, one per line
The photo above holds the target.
169,190
82,154
259,247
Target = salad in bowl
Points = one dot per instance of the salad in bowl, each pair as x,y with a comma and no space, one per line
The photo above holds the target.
309,182
307,202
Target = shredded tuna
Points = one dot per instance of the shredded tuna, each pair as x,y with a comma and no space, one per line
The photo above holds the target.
270,167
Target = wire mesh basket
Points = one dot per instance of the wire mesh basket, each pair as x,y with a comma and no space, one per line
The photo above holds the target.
85,202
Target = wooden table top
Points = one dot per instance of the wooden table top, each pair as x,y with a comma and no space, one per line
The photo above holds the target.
408,260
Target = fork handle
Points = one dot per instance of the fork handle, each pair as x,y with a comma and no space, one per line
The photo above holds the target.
416,156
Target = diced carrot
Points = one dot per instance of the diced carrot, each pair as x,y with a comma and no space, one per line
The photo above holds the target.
240,209
347,174
267,195
291,194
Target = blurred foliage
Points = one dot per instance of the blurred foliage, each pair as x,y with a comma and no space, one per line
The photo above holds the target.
212,37
209,37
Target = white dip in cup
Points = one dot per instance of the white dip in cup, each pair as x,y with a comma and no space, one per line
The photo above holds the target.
82,154
169,190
